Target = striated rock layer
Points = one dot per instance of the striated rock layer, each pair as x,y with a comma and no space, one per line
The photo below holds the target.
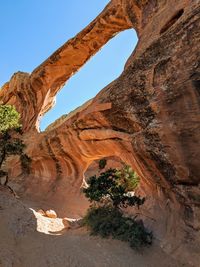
149,117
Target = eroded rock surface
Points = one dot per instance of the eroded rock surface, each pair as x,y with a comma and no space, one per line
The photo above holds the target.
149,117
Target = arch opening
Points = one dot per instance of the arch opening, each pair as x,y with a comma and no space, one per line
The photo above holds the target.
103,165
103,68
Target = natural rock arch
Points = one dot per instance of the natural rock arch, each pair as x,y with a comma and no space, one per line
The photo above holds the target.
149,115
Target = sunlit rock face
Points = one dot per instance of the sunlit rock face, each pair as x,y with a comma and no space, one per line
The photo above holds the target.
149,117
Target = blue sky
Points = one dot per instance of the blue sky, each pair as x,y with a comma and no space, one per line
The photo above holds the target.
33,29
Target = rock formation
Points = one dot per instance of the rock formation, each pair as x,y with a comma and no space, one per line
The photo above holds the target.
149,117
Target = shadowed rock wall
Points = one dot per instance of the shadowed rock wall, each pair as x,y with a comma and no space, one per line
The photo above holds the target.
149,117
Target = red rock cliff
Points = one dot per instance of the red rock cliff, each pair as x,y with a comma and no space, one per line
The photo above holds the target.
149,117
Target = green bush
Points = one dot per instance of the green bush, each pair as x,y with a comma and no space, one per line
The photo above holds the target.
109,193
128,178
9,118
14,147
9,125
9,146
107,221
113,186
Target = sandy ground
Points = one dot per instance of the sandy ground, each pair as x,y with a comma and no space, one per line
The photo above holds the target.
28,239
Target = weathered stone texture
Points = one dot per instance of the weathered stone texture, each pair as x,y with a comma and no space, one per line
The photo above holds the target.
149,117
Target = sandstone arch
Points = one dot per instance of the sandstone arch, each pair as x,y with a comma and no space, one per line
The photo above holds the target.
149,115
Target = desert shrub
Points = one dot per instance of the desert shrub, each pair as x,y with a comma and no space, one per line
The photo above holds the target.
102,163
9,145
14,146
128,178
110,184
9,118
107,221
109,193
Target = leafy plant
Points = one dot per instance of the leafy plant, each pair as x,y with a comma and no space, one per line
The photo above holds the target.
9,118
107,221
128,178
9,145
14,147
109,193
113,185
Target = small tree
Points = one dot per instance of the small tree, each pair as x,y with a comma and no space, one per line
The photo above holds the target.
109,193
9,118
128,178
114,185
9,124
